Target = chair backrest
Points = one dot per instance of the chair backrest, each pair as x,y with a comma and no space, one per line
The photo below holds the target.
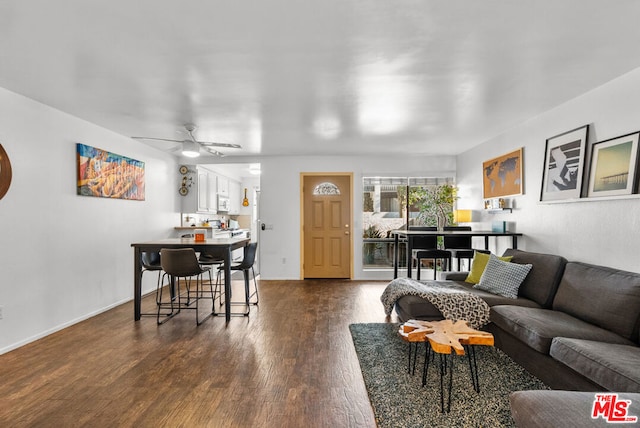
180,261
249,256
151,260
458,242
423,242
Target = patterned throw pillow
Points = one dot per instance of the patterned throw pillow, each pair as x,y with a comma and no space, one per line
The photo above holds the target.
478,264
503,278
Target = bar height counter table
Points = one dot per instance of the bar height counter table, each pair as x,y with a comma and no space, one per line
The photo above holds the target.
409,233
221,247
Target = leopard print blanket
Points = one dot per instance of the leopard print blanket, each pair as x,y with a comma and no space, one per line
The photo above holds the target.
452,300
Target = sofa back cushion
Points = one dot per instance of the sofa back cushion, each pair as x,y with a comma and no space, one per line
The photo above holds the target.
606,297
541,283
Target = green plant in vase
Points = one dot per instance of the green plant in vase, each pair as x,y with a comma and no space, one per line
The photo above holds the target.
435,204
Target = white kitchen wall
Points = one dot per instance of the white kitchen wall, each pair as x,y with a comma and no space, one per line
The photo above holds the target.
604,232
280,202
64,257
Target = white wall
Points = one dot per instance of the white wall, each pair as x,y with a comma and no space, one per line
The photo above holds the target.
604,232
65,257
280,202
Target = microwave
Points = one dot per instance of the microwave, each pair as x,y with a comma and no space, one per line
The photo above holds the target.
223,203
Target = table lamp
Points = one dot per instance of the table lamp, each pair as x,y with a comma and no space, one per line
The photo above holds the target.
462,216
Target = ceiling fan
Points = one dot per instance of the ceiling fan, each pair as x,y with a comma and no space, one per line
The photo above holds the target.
191,146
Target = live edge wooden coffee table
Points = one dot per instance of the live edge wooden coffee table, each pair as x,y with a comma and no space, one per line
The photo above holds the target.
445,338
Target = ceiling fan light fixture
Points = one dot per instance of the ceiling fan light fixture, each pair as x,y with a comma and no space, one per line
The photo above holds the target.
190,149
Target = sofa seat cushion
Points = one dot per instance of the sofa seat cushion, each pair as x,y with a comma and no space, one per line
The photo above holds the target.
569,409
415,307
495,299
615,367
537,327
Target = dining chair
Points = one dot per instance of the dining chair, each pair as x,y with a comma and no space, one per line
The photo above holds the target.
459,246
211,261
245,266
151,263
182,263
426,247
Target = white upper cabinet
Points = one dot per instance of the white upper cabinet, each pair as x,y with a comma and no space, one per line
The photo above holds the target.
203,191
223,186
213,196
235,197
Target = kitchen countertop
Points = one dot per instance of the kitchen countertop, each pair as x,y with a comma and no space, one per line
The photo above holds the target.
214,230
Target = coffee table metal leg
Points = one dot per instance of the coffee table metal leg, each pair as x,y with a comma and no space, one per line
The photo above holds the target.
473,367
411,368
450,382
446,363
441,383
425,368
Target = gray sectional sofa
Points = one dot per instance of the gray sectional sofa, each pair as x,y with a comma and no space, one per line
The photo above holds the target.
575,326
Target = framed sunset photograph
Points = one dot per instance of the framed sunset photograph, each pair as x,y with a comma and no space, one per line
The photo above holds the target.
614,167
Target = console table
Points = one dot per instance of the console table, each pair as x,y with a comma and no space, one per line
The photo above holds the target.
409,233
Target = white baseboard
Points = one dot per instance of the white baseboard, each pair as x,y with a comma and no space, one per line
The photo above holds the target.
60,327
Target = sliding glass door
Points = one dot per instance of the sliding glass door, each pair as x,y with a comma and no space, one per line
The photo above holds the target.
391,203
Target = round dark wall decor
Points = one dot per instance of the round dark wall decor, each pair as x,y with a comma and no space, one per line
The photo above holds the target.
5,172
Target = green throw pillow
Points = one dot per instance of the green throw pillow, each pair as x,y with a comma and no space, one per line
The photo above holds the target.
478,265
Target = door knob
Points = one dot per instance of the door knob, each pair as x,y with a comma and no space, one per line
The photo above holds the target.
346,233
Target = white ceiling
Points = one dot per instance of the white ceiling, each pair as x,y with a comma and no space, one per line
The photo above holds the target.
315,77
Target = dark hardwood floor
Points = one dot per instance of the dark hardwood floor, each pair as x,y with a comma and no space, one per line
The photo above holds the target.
290,364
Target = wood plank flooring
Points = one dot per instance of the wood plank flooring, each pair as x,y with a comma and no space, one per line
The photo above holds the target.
291,363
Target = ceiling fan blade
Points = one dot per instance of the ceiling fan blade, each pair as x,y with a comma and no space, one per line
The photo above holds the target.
157,139
210,144
191,127
213,151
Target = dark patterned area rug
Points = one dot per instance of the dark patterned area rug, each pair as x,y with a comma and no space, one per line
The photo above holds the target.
400,401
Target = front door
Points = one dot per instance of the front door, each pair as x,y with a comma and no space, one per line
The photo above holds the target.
326,226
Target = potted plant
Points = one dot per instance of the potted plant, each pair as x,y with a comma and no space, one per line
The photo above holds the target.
369,248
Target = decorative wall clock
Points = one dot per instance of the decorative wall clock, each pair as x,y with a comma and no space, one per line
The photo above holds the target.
5,172
187,180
